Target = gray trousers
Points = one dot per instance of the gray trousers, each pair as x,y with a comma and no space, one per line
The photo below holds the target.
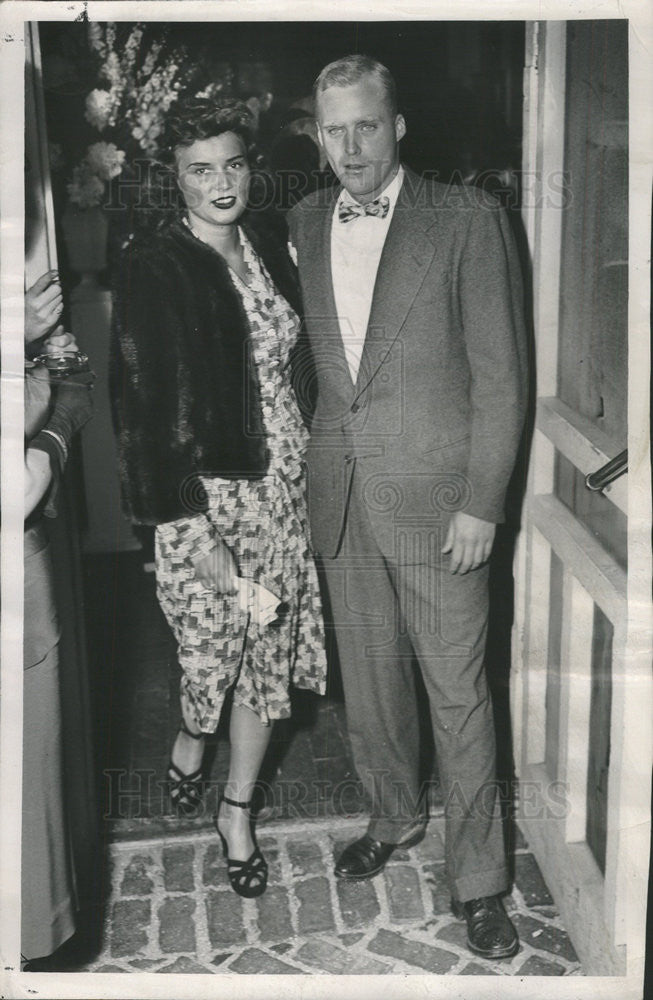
389,614
47,880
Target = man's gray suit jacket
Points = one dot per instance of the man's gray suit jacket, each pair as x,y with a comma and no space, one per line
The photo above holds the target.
434,420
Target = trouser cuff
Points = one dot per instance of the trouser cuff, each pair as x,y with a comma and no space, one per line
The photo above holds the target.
486,883
393,831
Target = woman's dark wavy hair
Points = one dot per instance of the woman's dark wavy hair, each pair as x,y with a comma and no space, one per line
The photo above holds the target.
188,121
200,118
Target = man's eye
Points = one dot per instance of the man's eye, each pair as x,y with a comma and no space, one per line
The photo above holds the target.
237,164
200,170
368,127
335,130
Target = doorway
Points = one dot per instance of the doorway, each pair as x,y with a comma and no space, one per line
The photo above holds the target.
577,680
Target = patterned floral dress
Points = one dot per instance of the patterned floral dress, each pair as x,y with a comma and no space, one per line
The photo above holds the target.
264,522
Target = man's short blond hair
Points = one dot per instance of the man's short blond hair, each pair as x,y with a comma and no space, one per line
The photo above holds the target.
349,70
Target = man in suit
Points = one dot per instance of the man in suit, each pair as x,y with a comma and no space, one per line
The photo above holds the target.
413,309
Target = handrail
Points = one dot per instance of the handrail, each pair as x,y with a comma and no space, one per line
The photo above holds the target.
597,481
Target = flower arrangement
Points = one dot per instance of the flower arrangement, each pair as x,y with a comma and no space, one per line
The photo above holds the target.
139,79
102,162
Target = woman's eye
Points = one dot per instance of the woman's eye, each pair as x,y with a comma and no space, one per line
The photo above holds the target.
200,171
238,164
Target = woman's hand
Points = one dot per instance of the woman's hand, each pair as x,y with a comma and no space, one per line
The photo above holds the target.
217,570
58,341
43,306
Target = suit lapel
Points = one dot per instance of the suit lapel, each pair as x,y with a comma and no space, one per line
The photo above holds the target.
316,257
407,254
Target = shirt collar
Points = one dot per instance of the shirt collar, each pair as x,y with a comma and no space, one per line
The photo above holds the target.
390,191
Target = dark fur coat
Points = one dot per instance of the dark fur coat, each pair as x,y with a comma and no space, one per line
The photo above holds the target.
184,392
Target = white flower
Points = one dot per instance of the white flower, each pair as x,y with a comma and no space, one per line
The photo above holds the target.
146,131
96,37
131,50
105,159
111,70
85,189
143,80
99,109
110,36
143,122
150,60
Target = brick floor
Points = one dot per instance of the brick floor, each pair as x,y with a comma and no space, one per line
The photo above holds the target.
169,906
171,910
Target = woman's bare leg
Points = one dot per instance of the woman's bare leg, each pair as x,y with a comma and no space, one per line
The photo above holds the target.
187,753
249,739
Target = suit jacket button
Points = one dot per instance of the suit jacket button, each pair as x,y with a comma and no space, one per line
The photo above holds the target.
355,407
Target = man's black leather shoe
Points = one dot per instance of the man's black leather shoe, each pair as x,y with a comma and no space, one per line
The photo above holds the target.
490,932
367,857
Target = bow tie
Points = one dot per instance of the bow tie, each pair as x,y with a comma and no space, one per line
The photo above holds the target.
348,210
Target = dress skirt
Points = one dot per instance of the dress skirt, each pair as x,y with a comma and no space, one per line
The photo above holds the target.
264,522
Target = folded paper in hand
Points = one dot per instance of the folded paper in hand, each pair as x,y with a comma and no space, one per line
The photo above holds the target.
262,605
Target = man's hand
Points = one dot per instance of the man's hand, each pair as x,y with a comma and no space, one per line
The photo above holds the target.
469,540
217,570
43,306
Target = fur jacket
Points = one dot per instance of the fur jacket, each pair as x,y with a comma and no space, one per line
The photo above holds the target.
184,392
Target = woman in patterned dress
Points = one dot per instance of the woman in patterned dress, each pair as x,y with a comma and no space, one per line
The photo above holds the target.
211,451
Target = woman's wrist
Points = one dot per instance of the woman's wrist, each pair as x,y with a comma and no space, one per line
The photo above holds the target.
201,551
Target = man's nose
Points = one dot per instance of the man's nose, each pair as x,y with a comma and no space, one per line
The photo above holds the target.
351,142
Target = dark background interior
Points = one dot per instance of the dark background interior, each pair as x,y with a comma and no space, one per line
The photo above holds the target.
459,83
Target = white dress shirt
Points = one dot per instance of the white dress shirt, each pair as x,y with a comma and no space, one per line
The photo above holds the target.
356,248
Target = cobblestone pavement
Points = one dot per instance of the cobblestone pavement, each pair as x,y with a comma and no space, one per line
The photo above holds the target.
170,909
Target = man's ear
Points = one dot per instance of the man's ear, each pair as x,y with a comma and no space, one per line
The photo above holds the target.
400,127
319,135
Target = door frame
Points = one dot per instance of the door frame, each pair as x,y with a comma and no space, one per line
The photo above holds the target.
605,915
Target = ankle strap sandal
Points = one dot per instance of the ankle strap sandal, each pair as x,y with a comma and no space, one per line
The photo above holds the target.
248,878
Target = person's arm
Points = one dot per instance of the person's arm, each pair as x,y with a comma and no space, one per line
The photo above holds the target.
43,306
149,405
212,560
73,408
156,452
37,478
490,297
37,469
